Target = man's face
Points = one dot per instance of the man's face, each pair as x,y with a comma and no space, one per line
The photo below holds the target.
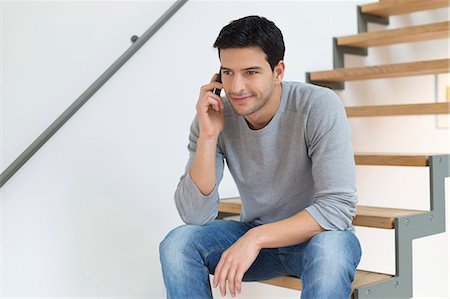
247,79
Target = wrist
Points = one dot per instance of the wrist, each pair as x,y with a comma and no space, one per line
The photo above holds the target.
256,236
209,139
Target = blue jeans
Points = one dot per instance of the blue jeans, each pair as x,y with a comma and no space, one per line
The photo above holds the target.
326,263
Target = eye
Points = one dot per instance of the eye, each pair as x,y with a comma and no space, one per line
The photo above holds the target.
226,72
252,72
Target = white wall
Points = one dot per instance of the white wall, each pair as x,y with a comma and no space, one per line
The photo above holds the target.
84,217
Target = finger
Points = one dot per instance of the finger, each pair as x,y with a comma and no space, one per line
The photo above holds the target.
216,272
223,281
214,77
220,275
211,94
217,98
231,282
214,100
204,104
216,278
238,280
210,87
214,103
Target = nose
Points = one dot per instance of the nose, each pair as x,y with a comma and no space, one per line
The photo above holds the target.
237,84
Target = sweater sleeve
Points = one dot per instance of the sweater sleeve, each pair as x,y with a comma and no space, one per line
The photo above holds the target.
194,207
328,135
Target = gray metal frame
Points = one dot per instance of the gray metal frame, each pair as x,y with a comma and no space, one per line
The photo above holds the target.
85,96
339,51
364,18
409,228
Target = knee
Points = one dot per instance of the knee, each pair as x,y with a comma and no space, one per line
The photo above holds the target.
176,242
333,255
334,250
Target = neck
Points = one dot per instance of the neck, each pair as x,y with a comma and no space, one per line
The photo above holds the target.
262,117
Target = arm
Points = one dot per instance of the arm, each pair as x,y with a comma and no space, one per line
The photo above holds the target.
196,197
328,136
290,231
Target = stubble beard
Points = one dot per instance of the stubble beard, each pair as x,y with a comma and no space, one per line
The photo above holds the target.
258,104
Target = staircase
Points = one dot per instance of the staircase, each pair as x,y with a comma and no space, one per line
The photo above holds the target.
407,224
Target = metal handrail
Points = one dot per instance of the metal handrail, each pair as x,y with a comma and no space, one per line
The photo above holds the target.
90,91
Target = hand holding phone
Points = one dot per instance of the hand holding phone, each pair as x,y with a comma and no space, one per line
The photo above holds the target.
210,109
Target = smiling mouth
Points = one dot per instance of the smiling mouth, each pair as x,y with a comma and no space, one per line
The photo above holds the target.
241,99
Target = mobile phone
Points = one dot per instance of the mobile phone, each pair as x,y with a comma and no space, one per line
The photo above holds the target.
219,79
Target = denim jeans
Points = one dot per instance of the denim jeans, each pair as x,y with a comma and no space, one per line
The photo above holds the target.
326,263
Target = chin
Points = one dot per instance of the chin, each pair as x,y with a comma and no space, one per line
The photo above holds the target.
240,111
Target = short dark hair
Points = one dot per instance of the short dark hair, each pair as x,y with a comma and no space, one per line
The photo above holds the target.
253,31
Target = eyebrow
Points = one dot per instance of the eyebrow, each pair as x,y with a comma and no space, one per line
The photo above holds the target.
246,69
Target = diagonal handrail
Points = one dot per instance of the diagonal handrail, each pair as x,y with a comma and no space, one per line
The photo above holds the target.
85,96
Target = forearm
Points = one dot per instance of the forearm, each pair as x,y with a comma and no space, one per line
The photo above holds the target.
290,231
203,169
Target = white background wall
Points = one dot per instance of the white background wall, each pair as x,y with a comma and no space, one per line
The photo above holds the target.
84,217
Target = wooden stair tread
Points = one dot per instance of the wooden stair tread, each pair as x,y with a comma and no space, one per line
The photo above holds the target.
376,217
230,205
396,36
387,159
383,71
396,7
362,278
405,109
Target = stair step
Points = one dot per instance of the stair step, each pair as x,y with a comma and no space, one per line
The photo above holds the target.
406,109
383,71
377,217
230,205
386,159
396,36
365,216
362,278
397,7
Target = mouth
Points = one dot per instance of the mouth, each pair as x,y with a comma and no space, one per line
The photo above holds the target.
240,99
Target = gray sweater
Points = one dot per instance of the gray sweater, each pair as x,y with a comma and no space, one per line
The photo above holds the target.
303,159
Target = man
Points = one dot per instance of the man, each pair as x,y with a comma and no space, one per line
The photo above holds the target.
288,148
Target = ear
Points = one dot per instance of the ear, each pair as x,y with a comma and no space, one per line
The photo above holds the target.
278,71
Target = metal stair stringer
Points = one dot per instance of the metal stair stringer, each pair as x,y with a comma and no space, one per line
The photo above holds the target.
409,228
